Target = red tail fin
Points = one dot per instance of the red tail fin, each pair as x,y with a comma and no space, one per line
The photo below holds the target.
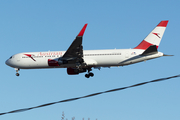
155,36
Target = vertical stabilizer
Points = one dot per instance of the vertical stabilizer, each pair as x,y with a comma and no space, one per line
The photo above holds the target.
154,37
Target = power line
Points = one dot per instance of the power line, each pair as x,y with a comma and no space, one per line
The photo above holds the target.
90,95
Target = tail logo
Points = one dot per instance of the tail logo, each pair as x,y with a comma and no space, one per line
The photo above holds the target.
30,55
157,34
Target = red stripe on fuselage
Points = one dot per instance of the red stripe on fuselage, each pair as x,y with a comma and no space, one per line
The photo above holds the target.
29,55
144,45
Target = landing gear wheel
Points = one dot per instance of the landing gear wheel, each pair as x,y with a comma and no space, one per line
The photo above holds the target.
87,75
17,70
91,74
17,74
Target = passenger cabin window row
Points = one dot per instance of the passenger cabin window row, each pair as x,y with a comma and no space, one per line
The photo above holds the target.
33,57
102,54
84,55
37,56
41,56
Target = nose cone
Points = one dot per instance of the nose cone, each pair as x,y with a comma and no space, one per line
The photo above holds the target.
7,62
10,63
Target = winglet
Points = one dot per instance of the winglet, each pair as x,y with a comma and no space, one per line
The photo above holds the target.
82,31
163,23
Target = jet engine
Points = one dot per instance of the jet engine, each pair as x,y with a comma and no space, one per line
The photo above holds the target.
74,71
56,62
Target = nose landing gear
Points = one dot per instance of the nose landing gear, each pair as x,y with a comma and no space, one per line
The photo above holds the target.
17,70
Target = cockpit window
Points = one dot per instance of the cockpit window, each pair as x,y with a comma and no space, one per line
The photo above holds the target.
10,57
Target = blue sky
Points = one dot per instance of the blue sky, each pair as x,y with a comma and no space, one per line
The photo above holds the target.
30,26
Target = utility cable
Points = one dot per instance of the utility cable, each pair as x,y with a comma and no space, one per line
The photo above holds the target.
90,95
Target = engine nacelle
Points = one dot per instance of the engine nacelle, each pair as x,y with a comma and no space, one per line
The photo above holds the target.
52,62
74,71
56,62
71,71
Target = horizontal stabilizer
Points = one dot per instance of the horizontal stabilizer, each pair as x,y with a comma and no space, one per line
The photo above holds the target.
150,50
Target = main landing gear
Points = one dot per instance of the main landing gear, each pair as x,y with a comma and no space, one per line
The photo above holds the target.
90,74
17,70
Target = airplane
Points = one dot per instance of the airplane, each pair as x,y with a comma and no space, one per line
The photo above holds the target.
76,60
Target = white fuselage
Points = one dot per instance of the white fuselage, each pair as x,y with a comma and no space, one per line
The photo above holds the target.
93,58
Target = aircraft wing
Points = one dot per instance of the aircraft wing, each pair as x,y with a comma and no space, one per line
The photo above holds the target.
75,51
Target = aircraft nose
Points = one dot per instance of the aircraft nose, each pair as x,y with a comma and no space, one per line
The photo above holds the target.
7,62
